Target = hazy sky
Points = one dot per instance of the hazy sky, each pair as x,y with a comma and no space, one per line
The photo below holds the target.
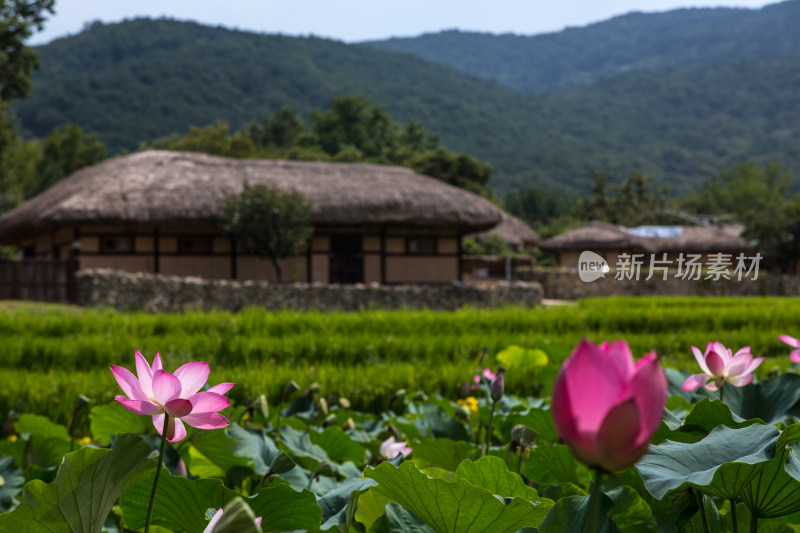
358,20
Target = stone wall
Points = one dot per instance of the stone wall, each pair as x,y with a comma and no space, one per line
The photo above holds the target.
149,292
565,284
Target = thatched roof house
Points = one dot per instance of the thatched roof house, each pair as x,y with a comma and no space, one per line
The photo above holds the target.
158,211
703,239
610,241
515,233
596,236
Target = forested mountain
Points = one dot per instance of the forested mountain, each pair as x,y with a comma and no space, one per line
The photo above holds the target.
676,39
143,79
140,80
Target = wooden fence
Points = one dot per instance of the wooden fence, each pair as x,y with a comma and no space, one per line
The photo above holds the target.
44,280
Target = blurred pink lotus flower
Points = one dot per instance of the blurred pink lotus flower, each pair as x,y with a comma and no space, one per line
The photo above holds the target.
156,392
720,366
390,448
794,343
605,407
217,517
487,373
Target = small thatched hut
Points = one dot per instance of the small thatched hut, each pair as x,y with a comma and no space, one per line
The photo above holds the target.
606,240
611,241
519,237
701,240
157,211
515,233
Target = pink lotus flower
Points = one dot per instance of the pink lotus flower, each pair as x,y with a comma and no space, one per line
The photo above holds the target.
794,343
487,373
217,517
720,366
156,392
390,448
605,407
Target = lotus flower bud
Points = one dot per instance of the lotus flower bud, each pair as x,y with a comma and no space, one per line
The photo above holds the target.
462,412
281,463
261,406
323,406
325,469
605,407
81,401
498,387
523,436
344,403
329,420
290,388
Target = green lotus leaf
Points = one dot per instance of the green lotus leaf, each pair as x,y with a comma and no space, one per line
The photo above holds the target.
720,464
455,507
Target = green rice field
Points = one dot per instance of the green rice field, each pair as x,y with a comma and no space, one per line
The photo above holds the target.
49,354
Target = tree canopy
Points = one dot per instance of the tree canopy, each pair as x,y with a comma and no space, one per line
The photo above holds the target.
268,222
758,197
19,18
351,129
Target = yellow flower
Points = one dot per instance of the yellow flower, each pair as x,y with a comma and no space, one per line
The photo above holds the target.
13,438
470,402
84,441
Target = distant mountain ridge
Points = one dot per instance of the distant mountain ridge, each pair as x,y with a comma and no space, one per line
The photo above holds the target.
681,38
143,79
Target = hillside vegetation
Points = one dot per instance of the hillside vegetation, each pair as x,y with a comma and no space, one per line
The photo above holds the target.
141,80
682,38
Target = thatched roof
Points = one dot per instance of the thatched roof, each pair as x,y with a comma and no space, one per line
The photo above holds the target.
596,236
513,231
702,239
161,187
688,239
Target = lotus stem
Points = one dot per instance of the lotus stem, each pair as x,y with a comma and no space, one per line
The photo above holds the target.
734,518
595,497
264,478
721,390
72,430
488,431
699,496
753,522
158,473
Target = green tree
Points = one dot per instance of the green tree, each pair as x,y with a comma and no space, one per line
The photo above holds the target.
268,222
758,197
633,202
214,139
64,151
539,206
18,162
18,20
282,129
461,170
354,130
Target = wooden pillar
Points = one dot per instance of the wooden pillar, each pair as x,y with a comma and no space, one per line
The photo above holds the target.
383,255
234,274
156,254
308,260
460,258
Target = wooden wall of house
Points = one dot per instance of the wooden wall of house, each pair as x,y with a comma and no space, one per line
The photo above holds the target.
390,256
